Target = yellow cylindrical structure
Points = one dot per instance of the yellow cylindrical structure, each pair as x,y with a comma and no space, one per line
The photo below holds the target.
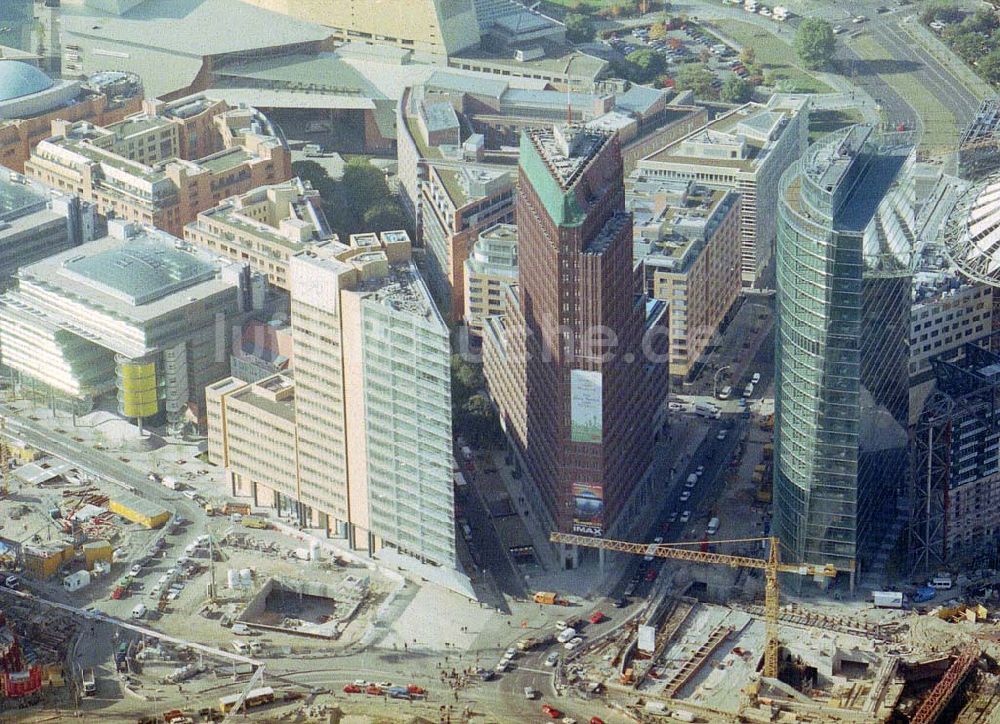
137,393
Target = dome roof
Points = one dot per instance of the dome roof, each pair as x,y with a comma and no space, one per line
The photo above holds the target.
19,79
972,236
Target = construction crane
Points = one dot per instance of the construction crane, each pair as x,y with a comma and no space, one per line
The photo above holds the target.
771,566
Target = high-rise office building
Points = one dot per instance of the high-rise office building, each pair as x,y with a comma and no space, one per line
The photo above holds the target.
843,329
362,442
578,364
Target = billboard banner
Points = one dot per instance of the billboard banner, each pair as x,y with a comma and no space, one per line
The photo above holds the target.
588,512
586,406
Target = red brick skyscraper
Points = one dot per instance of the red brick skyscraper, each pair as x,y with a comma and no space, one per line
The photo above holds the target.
578,366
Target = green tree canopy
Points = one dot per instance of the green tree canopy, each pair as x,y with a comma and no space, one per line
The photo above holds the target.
736,90
814,42
695,78
989,67
645,65
579,28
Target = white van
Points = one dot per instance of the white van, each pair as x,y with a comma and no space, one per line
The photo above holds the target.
241,629
726,392
748,390
240,647
755,380
139,611
941,581
691,481
713,526
566,635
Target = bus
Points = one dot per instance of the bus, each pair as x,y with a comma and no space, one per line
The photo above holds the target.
254,697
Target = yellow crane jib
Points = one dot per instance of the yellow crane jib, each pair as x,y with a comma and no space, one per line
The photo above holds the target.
771,566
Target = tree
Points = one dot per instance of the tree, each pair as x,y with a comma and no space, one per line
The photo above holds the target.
942,12
385,216
736,90
479,421
695,78
579,28
645,65
363,185
748,56
704,55
814,42
658,31
969,46
989,67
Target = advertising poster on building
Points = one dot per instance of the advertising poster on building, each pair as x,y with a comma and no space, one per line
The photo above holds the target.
588,514
585,406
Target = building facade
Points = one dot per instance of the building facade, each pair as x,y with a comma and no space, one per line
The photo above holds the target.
371,375
36,222
266,226
687,241
956,464
30,101
166,165
490,268
456,206
130,314
431,29
745,150
841,353
581,415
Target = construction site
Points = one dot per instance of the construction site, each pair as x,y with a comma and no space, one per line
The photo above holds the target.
689,658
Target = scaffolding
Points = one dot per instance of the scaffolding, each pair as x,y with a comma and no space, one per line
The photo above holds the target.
967,387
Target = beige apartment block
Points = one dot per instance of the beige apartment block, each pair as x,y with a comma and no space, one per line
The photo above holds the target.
745,150
687,238
165,165
490,268
266,226
371,376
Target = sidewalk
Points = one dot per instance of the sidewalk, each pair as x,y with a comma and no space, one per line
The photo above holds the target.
685,435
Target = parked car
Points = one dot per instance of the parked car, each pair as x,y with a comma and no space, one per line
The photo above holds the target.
685,496
552,659
685,516
551,711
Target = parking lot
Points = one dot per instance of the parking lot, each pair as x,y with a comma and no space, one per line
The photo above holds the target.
680,46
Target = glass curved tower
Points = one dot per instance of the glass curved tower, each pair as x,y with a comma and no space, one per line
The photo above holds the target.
841,350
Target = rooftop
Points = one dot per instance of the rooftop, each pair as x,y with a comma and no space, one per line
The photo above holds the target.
672,225
192,27
140,271
274,395
566,150
559,60
18,197
18,79
753,128
439,116
403,290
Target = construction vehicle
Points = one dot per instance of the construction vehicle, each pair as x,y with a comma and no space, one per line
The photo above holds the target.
253,522
548,598
241,508
771,566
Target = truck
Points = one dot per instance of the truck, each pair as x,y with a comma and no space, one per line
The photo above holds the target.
239,508
171,483
706,409
312,150
254,522
887,599
89,683
527,643
781,13
548,598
